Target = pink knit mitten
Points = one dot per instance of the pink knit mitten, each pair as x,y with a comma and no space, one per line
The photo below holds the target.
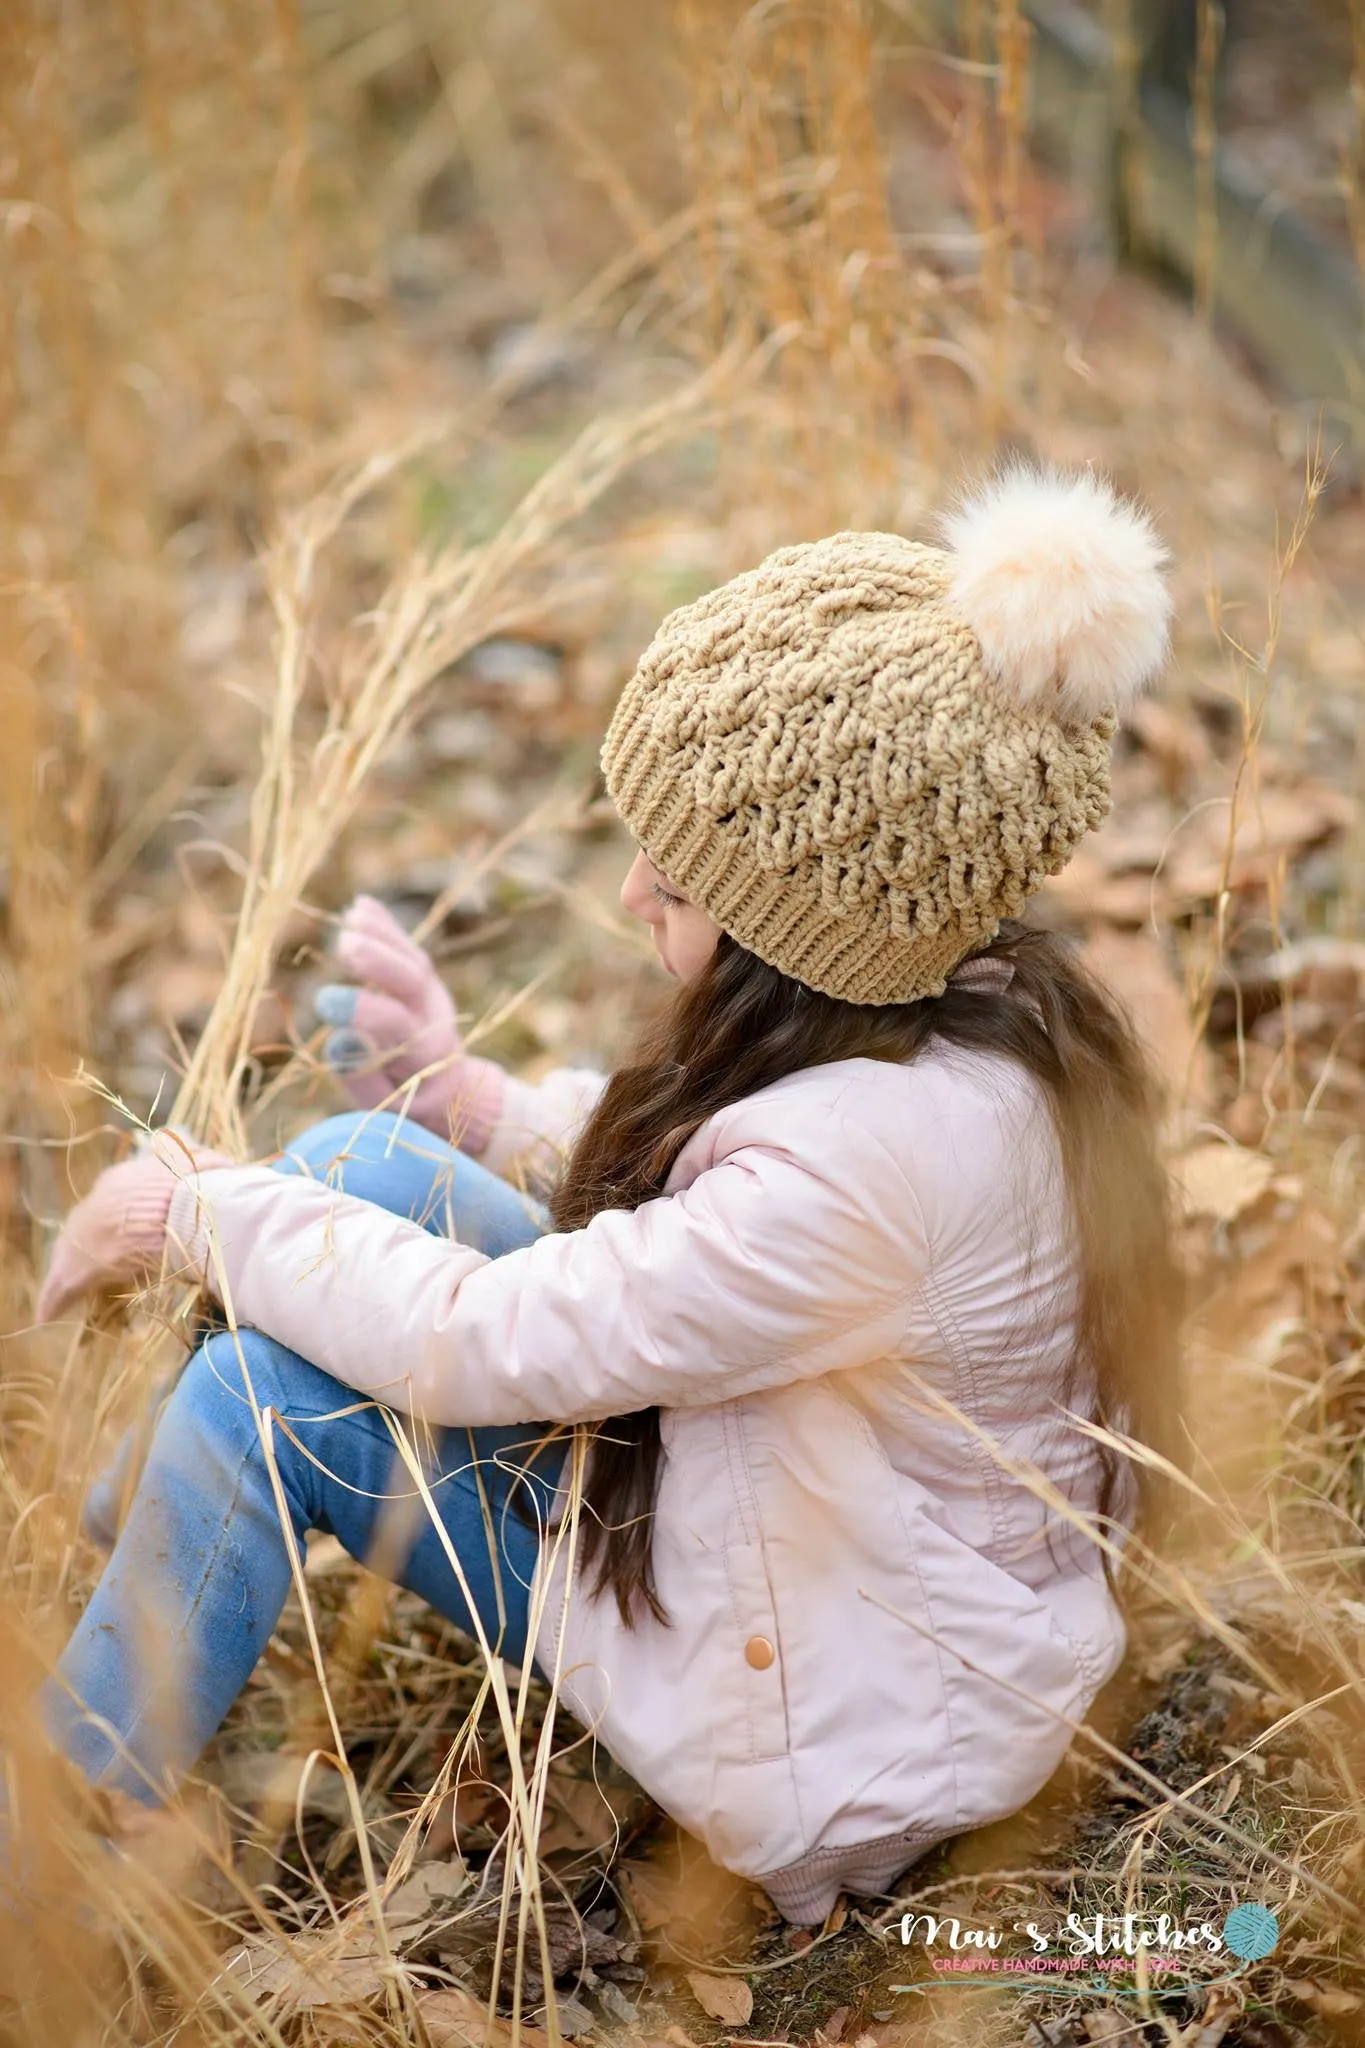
399,1024
118,1232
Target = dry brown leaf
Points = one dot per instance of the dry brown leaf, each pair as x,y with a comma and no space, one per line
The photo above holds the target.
1106,2023
1164,1661
1171,733
313,1970
585,1814
183,991
653,1894
1222,1180
325,1556
1147,860
427,1895
256,1778
1273,826
1135,967
1090,890
456,2019
727,1999
1328,1999
1320,965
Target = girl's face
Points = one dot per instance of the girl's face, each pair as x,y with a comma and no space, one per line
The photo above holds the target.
684,936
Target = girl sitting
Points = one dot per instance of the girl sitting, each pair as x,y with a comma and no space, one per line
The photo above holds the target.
837,1273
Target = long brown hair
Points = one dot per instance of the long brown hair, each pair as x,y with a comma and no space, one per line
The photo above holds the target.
740,1025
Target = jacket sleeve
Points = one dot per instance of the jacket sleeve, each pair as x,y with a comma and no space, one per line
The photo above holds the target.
763,1271
535,1123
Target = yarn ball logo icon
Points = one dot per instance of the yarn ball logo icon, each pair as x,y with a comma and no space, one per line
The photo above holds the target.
1250,1932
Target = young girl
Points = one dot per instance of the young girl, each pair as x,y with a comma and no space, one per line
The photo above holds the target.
840,1270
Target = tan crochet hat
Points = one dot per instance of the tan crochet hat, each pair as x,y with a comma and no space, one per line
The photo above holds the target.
861,755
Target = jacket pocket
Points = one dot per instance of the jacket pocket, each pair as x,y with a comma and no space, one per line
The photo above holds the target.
751,1646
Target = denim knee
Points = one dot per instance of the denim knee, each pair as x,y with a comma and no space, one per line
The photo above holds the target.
319,1147
214,1384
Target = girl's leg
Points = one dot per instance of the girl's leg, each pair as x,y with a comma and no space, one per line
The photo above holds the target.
404,1168
194,1589
197,1579
384,1159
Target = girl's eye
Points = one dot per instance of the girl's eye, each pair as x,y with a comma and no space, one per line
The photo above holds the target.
662,896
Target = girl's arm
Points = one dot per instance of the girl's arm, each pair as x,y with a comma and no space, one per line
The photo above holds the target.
533,1124
765,1270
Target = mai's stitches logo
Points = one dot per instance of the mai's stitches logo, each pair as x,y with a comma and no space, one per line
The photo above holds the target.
1102,1943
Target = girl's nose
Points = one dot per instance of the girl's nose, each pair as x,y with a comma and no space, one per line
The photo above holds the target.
636,896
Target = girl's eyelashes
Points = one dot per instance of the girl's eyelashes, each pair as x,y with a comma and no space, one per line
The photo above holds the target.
663,896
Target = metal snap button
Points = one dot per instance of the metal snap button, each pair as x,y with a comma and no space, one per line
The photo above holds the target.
759,1652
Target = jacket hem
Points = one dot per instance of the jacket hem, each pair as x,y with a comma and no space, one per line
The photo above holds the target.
805,1891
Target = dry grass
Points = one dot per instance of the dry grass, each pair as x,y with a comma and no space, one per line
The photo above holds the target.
445,347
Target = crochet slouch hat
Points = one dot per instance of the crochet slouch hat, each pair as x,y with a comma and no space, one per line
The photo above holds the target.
861,755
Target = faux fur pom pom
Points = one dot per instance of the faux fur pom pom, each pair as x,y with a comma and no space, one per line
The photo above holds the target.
1061,582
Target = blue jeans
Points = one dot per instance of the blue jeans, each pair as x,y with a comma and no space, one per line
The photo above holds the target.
194,1587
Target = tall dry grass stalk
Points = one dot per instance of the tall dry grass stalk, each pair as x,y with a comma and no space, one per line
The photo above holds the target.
993,155
1353,150
380,665
377,666
793,239
1203,139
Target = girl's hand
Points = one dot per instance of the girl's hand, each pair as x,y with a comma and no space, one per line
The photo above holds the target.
399,1022
118,1232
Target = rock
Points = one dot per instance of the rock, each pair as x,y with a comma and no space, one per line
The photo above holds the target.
459,736
531,357
616,2005
529,672
573,2016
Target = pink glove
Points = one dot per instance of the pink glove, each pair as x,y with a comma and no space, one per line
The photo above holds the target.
399,1023
118,1233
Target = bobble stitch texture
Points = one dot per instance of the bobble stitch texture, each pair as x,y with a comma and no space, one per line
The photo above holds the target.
817,754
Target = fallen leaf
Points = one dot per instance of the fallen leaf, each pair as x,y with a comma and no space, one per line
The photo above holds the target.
1151,860
586,1815
272,1778
1273,826
1328,1999
1222,1180
427,1895
572,2016
456,2019
1171,733
1319,965
1105,2024
1163,1662
727,1999
653,1894
313,1970
1089,890
837,1915
1135,967
325,1556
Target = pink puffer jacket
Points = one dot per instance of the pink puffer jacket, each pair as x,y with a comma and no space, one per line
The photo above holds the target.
854,1305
